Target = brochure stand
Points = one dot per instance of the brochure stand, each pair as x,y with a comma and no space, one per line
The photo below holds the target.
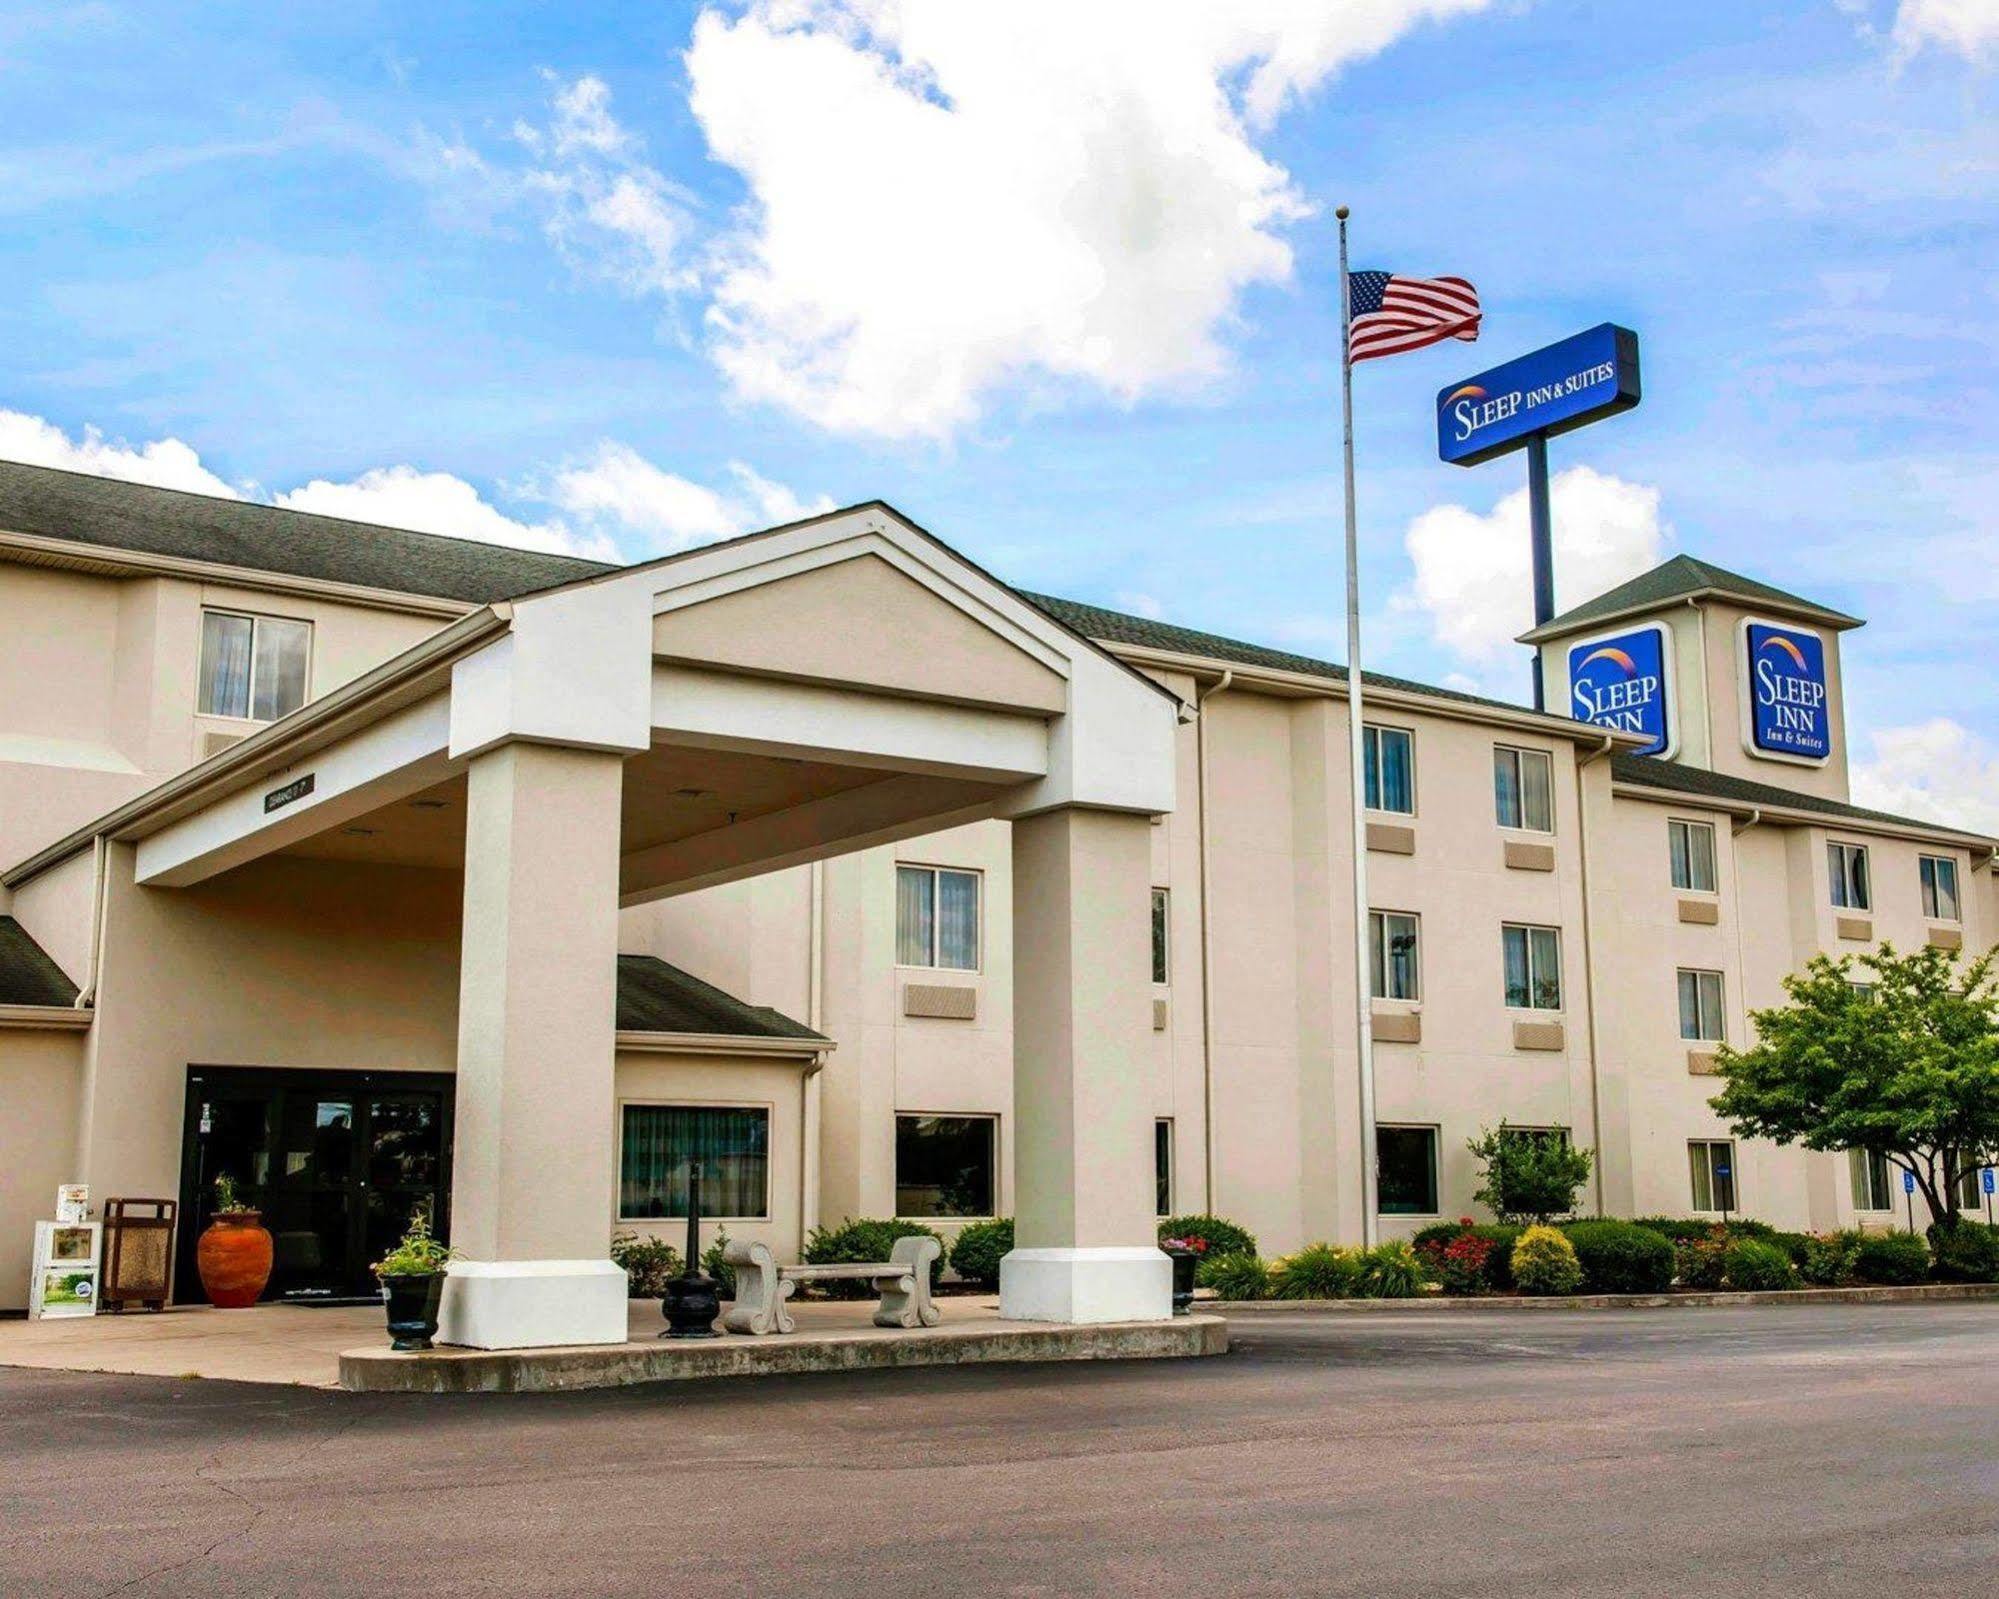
63,1281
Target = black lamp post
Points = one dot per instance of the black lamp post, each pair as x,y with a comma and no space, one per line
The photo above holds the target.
691,1304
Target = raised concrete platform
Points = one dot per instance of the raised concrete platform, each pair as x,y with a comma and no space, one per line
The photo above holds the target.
966,1342
1717,1299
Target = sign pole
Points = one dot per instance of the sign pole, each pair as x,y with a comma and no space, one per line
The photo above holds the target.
1357,758
1541,530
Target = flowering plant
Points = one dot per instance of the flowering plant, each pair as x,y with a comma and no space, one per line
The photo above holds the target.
1460,1265
1198,1245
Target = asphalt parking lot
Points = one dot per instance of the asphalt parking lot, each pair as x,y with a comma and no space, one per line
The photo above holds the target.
1815,1451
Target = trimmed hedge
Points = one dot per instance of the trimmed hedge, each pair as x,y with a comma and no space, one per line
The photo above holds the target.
1891,1259
1684,1229
860,1240
1620,1257
976,1255
1544,1262
1757,1263
1966,1253
1223,1236
1237,1276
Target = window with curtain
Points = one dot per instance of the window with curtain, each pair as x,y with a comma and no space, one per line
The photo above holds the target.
1871,1188
1390,767
731,1144
1712,1161
1700,1005
1162,1167
253,667
1523,788
1846,866
1938,874
1406,1171
1533,962
1691,845
1160,968
937,918
945,1165
1392,955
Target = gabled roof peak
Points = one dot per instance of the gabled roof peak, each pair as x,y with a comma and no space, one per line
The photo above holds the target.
1684,577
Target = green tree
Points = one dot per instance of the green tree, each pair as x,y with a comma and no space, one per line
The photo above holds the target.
1901,1059
1530,1174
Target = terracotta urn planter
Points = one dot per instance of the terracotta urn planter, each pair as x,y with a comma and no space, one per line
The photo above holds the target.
234,1259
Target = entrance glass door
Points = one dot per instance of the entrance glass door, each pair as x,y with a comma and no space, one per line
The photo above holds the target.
336,1161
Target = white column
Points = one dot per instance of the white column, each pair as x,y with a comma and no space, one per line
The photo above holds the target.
532,1164
1082,1137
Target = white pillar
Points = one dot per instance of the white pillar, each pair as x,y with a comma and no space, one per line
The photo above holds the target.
532,1165
1082,1137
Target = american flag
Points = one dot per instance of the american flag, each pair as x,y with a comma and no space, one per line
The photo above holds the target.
1392,314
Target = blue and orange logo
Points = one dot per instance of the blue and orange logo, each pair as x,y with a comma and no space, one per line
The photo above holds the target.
1471,391
1777,641
1622,660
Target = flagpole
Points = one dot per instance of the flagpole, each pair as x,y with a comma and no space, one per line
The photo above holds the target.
1357,761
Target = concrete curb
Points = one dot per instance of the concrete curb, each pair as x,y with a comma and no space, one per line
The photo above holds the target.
461,1371
1439,1304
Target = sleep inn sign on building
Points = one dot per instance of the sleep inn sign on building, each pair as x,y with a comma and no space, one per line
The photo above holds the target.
374,867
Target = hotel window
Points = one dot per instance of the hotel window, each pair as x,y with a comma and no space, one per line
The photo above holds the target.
1523,788
1405,1171
937,918
1392,955
1160,901
1939,879
252,667
1391,768
1871,1189
731,1144
1713,1164
1700,1006
944,1165
1846,864
1162,1167
1970,1190
1692,848
1533,957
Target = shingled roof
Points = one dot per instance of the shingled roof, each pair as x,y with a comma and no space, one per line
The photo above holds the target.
115,515
654,997
1650,772
1681,578
27,975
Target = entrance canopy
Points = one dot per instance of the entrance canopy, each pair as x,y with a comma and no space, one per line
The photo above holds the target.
839,683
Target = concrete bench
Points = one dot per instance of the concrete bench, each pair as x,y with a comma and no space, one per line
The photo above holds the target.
762,1286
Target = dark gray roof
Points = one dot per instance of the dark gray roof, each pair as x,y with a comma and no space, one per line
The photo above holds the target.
1699,781
654,997
266,538
1680,578
1117,628
27,975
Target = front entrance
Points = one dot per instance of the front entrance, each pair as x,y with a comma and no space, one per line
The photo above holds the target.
336,1161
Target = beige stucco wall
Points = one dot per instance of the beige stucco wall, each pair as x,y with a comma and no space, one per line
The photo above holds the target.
39,1076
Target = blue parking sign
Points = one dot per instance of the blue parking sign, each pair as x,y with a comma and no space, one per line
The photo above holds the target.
1908,1182
1985,1180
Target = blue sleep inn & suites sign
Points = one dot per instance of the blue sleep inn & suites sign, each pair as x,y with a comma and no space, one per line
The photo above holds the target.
1549,391
1623,681
1789,705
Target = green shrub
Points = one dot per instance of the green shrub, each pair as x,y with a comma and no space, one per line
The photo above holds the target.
1702,1261
1544,1262
860,1241
1891,1259
1431,1242
1237,1276
1388,1271
1528,1175
1829,1259
1757,1263
1682,1229
976,1255
1795,1245
1223,1237
1619,1257
1318,1271
650,1263
718,1268
1966,1253
1438,1234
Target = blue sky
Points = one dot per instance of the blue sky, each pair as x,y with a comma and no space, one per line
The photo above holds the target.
1060,282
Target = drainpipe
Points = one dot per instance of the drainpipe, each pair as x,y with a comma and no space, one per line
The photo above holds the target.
100,862
815,1018
1201,698
1589,971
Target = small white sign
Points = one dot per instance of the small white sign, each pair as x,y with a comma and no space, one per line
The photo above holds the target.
63,1279
73,1203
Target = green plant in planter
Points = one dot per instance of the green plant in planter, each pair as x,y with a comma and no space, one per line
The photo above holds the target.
1222,1236
227,1198
421,1253
649,1263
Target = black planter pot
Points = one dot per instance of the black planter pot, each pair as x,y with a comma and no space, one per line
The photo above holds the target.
412,1304
1184,1261
691,1306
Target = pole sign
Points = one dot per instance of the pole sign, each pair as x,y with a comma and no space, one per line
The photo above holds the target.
1908,1182
1556,388
1985,1180
1787,708
1624,681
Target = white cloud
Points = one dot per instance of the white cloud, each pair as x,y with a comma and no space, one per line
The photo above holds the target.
1938,769
165,463
618,487
609,212
1474,579
946,198
437,502
1969,27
